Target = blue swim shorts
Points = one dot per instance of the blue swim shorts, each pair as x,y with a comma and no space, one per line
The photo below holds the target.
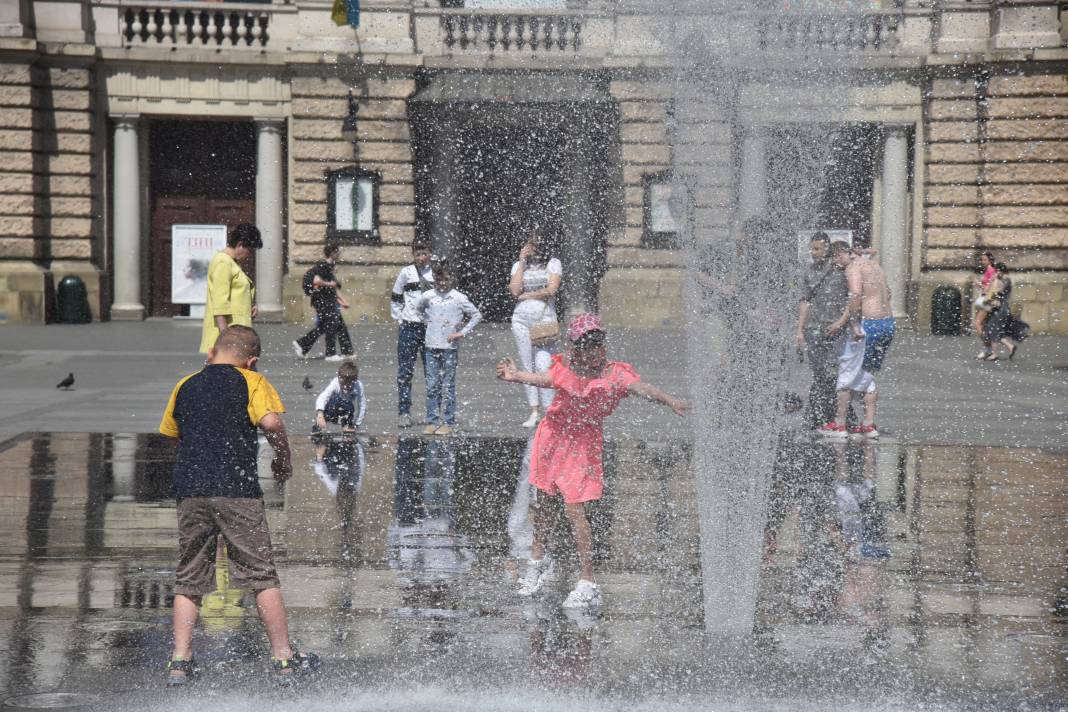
878,333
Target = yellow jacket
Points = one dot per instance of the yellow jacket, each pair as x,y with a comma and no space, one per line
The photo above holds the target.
230,293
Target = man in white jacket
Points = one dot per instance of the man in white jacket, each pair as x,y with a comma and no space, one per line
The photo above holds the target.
411,282
342,401
445,311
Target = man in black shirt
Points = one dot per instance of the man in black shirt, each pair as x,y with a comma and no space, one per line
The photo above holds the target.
321,284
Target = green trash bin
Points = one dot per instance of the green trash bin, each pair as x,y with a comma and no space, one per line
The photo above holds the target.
72,301
946,311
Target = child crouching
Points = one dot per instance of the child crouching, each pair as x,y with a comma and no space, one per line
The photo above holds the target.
342,401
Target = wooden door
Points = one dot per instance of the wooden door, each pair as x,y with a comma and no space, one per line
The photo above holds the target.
187,210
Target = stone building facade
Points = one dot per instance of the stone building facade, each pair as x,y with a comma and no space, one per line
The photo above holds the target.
944,125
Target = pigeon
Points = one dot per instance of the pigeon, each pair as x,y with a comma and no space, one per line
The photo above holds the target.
307,384
67,382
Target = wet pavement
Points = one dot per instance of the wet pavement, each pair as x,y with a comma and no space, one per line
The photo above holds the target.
892,576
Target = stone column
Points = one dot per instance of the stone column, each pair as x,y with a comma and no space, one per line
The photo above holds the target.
753,199
269,207
126,200
893,226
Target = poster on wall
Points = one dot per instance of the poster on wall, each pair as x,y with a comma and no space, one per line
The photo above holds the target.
804,237
192,247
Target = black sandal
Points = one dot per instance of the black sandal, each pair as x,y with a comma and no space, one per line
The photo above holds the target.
297,664
188,668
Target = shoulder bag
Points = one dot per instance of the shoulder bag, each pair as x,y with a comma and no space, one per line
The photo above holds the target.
543,333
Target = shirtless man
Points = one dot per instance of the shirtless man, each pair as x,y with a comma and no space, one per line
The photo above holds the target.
871,329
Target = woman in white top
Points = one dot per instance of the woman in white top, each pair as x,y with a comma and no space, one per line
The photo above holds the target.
535,280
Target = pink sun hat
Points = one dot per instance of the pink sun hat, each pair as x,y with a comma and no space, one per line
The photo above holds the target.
582,324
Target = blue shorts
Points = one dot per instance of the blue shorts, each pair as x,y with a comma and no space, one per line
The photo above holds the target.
878,333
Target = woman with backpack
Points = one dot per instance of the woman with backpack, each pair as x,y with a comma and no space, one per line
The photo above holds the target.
322,286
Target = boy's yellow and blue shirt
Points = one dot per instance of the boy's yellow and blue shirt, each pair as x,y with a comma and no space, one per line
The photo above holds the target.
214,413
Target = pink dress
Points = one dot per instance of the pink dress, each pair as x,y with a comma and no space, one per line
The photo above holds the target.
566,456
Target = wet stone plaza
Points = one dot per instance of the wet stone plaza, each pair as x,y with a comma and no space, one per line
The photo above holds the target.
892,576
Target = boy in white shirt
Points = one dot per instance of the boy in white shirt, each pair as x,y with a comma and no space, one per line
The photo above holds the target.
444,310
342,401
411,282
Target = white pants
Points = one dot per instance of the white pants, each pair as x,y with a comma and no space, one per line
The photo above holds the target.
533,359
851,373
520,527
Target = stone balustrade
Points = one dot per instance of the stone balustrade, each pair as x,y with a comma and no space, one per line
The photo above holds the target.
503,32
195,24
873,31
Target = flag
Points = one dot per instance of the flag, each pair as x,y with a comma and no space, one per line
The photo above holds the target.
346,12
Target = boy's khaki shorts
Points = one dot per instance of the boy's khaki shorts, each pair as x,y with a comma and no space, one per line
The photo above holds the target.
242,522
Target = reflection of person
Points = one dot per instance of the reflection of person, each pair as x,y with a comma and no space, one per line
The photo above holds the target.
566,455
870,332
342,401
339,465
449,317
327,301
411,283
214,415
534,282
230,291
824,294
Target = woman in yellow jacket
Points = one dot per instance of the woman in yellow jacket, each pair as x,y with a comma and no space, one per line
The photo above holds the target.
230,291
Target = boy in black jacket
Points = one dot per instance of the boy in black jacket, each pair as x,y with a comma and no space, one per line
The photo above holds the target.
321,284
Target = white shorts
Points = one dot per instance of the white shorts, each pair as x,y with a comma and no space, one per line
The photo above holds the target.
851,373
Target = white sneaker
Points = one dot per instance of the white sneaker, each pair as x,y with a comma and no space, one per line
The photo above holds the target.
538,572
335,358
299,351
533,419
586,593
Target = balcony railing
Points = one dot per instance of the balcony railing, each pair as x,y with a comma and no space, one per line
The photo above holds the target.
195,24
820,33
511,32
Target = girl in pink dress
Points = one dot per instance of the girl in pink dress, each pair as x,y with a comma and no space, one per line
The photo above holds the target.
566,451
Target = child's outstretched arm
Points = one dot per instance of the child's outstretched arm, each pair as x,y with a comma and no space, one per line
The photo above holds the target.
640,388
506,371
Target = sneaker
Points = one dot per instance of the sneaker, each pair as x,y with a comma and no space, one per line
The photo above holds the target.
538,572
404,421
444,430
833,430
299,351
865,431
532,420
586,593
335,358
430,429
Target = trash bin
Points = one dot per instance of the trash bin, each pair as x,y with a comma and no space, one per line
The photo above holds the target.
72,301
946,311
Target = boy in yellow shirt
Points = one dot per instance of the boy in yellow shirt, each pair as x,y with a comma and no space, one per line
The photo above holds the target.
214,415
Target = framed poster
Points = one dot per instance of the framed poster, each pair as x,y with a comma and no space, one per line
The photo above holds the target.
192,247
352,205
664,205
804,237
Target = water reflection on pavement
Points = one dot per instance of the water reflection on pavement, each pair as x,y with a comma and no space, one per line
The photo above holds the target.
934,573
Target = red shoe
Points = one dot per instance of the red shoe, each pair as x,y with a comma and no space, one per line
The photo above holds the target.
833,430
865,431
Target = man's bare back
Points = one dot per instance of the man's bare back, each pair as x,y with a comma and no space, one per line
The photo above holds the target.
867,279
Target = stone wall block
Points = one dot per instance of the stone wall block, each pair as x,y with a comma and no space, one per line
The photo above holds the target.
17,161
952,88
959,174
65,100
15,74
66,121
631,133
16,96
398,194
11,118
1058,318
952,109
71,249
1026,129
952,131
383,151
308,191
310,213
16,204
951,236
1027,172
1025,215
396,214
952,216
71,227
1037,85
322,150
642,90
20,226
69,185
69,164
16,183
631,111
71,207
1028,107
646,155
397,235
953,152
1010,194
21,247
1026,151
953,195
316,170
